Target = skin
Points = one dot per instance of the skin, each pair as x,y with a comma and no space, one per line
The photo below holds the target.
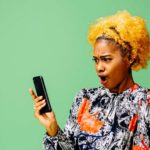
48,120
108,62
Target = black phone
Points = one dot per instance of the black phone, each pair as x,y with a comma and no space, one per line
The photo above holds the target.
41,91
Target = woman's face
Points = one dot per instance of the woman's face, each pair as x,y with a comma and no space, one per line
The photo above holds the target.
111,66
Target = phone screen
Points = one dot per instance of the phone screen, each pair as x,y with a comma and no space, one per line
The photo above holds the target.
41,91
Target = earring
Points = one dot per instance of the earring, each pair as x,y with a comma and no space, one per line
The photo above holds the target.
131,61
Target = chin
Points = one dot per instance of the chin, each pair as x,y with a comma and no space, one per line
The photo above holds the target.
108,87
111,88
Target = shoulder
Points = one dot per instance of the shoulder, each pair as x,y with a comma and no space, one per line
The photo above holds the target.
80,96
144,103
143,92
87,92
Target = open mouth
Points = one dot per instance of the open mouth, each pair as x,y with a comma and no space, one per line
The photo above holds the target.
103,80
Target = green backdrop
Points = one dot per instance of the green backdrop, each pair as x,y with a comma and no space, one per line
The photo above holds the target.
49,38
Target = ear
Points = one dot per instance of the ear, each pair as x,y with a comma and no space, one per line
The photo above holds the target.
128,61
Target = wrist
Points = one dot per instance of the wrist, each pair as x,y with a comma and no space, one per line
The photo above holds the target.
52,130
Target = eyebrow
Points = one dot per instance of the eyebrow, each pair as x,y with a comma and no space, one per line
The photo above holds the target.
103,56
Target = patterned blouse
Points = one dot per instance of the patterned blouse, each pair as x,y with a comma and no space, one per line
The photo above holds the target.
101,120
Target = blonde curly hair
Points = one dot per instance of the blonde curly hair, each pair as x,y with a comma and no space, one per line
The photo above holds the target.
128,31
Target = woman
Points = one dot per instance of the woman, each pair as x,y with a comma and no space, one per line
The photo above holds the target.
115,116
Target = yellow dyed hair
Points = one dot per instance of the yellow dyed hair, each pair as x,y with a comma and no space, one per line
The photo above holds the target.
126,30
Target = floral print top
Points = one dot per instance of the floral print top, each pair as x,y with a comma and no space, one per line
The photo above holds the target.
101,120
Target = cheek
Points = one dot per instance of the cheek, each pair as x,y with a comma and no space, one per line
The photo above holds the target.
117,70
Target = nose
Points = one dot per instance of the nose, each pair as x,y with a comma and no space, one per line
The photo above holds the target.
100,67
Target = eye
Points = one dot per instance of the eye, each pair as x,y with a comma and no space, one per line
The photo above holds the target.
107,59
95,60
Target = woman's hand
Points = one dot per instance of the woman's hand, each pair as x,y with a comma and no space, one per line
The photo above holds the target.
47,119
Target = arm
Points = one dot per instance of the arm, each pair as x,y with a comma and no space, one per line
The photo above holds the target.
64,140
141,140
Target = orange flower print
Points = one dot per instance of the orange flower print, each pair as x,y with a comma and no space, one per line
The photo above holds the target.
87,121
139,148
143,143
132,123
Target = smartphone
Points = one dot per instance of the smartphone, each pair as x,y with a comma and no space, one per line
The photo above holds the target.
41,91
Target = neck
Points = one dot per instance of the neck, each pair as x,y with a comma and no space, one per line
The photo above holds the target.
128,82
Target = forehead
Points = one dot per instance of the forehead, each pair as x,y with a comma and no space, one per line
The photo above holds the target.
104,47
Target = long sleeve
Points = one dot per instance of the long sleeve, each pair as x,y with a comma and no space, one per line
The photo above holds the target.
141,139
103,120
64,140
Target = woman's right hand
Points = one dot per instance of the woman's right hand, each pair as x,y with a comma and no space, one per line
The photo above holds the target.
47,119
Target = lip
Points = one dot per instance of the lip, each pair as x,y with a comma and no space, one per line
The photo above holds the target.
103,82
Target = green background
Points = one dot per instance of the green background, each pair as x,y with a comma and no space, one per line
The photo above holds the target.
49,38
